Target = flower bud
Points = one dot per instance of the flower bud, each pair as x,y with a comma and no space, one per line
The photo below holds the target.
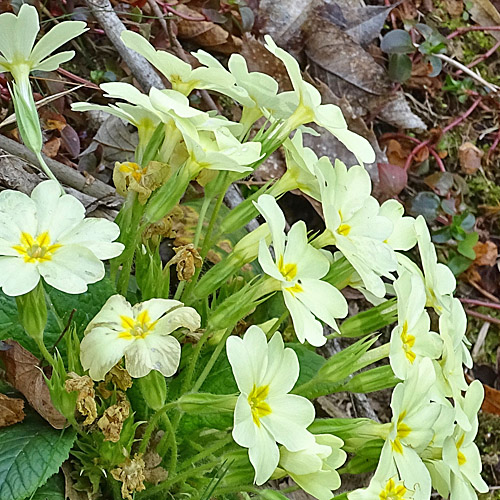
32,312
202,403
154,389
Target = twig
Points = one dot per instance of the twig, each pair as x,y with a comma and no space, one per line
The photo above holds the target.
467,71
465,29
487,294
140,68
42,102
485,317
463,116
77,79
482,57
65,174
170,9
480,303
493,145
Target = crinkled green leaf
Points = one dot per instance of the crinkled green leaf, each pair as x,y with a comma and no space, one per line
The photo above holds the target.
30,453
53,489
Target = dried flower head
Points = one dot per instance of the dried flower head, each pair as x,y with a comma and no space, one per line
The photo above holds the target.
131,474
85,402
186,259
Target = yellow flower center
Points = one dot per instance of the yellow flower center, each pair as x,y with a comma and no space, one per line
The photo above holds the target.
135,170
408,342
392,491
403,431
36,249
460,455
257,402
288,271
137,328
343,229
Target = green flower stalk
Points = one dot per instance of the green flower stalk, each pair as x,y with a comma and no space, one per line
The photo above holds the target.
20,56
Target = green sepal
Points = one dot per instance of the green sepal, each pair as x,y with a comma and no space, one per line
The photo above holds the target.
370,321
372,380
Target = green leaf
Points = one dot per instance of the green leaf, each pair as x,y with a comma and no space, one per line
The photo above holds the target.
466,246
372,380
397,42
87,305
458,263
53,489
399,69
426,204
30,452
436,64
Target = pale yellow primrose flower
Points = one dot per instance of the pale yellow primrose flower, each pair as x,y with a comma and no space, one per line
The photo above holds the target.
459,471
403,236
438,278
47,235
450,380
354,225
314,469
180,74
265,413
411,338
300,169
391,489
299,267
17,37
141,333
309,109
411,431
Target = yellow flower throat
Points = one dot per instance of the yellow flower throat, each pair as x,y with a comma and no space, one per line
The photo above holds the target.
36,249
258,405
408,342
134,328
289,271
392,491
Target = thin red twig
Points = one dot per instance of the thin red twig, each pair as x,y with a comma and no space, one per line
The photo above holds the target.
465,29
463,116
481,57
480,303
494,145
485,317
78,79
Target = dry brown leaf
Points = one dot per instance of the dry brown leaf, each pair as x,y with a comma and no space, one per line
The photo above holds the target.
486,253
260,59
454,7
206,33
469,156
51,147
153,473
11,410
491,402
23,373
